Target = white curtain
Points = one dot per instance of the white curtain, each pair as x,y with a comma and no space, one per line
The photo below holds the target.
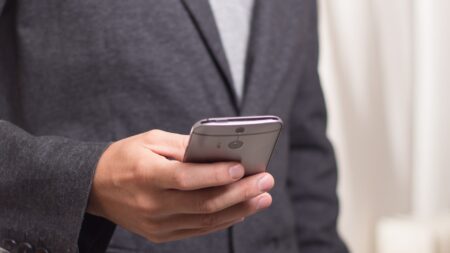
385,68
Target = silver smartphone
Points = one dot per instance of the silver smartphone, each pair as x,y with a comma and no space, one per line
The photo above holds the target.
248,140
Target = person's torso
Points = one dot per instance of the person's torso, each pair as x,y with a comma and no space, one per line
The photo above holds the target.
105,70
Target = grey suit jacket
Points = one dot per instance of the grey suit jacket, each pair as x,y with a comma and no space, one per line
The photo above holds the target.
75,75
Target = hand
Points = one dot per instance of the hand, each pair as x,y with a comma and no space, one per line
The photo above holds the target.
141,184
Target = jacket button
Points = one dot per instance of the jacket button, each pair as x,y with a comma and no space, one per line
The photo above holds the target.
24,247
42,250
8,244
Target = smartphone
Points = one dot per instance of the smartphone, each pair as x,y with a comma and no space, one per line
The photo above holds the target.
249,140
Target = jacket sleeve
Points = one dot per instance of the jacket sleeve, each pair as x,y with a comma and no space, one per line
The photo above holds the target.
45,181
44,187
313,171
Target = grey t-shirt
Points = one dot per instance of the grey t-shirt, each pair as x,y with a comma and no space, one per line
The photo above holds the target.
233,18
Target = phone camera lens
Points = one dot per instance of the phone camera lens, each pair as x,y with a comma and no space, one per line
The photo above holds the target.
235,144
240,130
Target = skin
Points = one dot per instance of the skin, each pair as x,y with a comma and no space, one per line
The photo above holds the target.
142,185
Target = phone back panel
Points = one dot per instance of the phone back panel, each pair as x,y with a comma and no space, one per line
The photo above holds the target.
250,144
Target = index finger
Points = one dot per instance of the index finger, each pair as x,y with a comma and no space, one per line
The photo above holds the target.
171,145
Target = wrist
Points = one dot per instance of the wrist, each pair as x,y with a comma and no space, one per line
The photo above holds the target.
94,206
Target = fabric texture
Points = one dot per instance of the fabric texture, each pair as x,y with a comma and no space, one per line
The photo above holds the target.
75,76
233,18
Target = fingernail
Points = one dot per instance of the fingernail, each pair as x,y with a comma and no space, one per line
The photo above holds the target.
236,171
265,183
263,202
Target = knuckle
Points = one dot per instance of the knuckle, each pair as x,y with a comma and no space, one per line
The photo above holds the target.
247,208
219,175
141,204
147,208
153,133
209,206
140,170
155,227
247,193
180,179
140,164
149,135
209,221
154,210
156,238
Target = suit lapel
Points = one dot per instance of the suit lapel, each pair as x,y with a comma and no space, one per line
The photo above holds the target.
265,52
204,21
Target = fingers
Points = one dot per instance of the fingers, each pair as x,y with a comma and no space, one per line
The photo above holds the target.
188,233
170,174
218,224
217,199
170,145
197,221
194,176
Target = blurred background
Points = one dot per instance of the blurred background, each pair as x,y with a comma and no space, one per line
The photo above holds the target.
385,68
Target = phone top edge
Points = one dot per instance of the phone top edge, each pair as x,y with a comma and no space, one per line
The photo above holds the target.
243,120
272,123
